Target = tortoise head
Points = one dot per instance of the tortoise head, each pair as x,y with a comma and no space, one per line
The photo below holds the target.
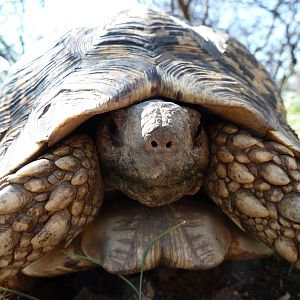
154,152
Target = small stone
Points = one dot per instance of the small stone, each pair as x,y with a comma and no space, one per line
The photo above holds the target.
273,174
38,185
286,248
68,163
289,207
250,205
243,140
239,173
260,155
80,177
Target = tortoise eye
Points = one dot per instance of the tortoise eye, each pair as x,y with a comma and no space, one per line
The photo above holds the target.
115,134
113,128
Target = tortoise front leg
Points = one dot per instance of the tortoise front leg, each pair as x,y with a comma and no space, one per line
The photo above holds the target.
48,201
257,184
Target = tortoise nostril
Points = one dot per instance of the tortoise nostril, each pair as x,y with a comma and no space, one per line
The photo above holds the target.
154,144
169,144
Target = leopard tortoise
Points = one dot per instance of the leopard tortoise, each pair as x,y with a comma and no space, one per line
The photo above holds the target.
148,108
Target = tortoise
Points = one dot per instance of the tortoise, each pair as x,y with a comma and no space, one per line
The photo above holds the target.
151,109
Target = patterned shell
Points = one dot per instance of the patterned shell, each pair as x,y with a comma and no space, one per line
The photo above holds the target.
139,54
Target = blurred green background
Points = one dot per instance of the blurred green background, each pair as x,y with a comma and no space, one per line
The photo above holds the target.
292,104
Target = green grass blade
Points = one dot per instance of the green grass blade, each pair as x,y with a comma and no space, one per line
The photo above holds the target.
3,289
130,284
148,248
96,262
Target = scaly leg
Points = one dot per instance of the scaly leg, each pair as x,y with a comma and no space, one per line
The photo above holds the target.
48,201
257,184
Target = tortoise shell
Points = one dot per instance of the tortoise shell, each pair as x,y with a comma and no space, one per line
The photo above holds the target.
139,54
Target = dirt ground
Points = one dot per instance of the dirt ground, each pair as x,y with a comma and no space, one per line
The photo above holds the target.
271,278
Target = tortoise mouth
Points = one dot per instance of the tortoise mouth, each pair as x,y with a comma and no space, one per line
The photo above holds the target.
159,193
196,236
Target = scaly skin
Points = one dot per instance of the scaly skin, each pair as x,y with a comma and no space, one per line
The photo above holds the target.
257,184
48,201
